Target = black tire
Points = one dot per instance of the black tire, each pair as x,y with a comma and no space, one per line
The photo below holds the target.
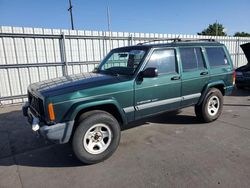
203,111
88,120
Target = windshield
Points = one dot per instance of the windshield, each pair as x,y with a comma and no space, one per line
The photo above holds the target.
122,61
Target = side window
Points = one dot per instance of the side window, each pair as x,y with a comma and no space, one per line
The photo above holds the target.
163,60
216,56
191,59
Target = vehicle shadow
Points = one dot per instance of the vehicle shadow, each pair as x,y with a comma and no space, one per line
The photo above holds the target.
173,117
20,146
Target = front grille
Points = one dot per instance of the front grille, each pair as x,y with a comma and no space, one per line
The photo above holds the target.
36,104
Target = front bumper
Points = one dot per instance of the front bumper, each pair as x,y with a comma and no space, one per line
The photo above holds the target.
59,133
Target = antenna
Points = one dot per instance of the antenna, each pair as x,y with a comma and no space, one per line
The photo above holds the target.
71,14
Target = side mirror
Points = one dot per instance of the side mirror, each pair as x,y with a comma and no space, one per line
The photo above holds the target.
150,72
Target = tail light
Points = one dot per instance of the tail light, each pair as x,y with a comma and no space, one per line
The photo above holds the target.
234,77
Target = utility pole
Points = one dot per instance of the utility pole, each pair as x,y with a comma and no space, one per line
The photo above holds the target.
71,14
109,30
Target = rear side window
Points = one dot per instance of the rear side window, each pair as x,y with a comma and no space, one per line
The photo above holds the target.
191,59
163,60
216,57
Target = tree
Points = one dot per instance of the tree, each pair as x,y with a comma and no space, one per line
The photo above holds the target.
215,29
241,34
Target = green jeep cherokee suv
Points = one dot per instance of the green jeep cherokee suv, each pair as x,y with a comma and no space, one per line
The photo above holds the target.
131,83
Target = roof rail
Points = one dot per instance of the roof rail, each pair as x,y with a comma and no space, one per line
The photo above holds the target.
156,40
177,40
193,39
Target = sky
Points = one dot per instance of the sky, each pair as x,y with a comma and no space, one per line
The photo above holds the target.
154,16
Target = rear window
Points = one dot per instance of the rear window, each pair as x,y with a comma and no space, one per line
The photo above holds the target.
191,59
216,56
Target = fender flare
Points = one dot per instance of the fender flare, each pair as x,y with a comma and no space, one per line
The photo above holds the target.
77,107
208,86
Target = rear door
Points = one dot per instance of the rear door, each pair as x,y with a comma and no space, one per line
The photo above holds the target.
220,64
195,74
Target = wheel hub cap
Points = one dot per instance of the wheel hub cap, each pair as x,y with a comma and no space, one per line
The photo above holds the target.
97,139
213,105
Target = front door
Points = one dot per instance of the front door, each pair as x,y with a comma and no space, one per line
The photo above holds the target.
161,93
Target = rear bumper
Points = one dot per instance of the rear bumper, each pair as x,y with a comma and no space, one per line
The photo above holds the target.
242,81
59,133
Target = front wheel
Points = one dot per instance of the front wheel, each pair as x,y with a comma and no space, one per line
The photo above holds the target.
211,107
96,137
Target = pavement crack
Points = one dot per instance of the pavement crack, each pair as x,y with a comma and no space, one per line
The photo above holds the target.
234,125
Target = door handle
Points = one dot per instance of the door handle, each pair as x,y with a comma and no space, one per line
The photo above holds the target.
176,78
204,73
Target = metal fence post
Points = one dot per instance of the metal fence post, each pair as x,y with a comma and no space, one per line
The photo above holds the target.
103,44
63,55
130,40
238,51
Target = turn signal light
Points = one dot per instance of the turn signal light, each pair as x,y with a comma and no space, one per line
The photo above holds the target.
51,112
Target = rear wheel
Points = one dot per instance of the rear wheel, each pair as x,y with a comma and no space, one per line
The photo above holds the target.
211,107
96,137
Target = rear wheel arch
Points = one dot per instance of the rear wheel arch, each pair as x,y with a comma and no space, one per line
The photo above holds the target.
218,85
221,88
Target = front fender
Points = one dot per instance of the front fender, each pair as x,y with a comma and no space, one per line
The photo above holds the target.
77,107
208,86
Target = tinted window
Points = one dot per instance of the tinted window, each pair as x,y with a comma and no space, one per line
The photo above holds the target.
216,56
163,60
191,59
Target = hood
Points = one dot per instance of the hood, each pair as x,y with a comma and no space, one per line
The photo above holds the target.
72,83
246,50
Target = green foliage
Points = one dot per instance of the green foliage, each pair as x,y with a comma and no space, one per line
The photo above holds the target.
241,34
213,30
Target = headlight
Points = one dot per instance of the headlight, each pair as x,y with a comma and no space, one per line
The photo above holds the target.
239,74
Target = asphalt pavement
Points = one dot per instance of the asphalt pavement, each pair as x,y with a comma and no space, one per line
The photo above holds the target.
170,150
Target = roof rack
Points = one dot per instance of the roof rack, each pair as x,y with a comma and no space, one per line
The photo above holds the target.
192,39
156,40
177,40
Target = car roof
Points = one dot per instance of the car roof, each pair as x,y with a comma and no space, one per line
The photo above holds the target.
183,44
175,44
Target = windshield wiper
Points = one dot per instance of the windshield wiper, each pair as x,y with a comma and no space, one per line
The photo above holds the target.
112,72
107,71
